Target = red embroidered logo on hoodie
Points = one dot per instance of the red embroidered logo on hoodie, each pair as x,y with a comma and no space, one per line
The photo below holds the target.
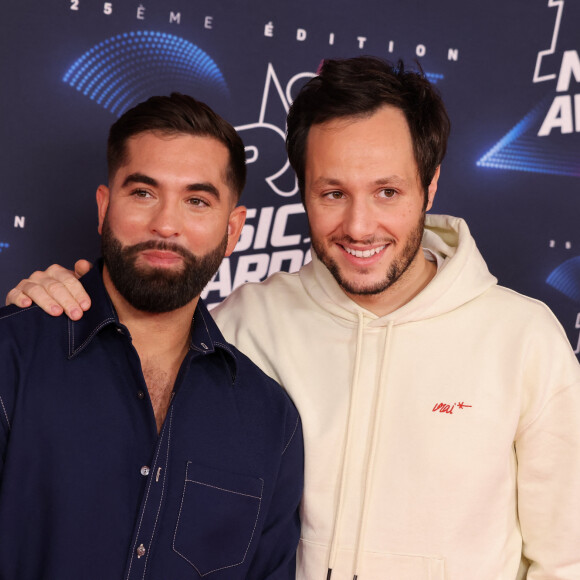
445,408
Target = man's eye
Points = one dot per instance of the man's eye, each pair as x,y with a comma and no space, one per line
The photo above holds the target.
141,193
197,202
334,195
388,193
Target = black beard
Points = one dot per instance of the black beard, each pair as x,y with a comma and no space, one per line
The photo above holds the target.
157,290
396,270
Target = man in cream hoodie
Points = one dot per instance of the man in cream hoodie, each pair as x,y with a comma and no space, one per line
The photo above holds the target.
441,412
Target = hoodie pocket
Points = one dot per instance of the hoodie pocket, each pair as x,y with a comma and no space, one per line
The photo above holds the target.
312,562
217,518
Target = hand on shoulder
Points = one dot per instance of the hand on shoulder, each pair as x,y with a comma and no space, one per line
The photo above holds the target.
55,290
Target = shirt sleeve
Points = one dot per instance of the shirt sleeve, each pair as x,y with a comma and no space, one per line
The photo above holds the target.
4,429
7,395
275,558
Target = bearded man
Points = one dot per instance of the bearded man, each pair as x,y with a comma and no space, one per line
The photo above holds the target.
137,443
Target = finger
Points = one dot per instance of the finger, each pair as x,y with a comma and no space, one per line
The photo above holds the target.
56,290
27,292
71,281
15,296
64,287
55,271
82,267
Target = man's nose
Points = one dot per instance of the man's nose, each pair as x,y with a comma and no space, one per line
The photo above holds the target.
359,219
166,220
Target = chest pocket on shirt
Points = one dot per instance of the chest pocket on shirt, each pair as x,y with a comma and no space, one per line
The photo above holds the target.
217,518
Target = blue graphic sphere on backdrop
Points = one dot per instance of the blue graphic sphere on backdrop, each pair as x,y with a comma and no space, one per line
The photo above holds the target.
122,71
566,278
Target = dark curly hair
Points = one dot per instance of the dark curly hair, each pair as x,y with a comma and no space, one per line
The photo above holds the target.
358,87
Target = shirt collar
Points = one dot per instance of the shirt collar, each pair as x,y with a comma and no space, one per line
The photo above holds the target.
206,337
100,315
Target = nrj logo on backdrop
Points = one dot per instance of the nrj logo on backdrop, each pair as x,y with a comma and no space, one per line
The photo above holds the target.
546,140
564,112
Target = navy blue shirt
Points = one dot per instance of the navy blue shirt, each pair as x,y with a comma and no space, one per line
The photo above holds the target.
90,490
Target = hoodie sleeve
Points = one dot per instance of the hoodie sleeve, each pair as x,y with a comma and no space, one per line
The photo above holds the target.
548,454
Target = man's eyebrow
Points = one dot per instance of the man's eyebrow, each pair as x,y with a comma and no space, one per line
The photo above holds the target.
139,178
387,180
136,178
327,181
205,186
391,180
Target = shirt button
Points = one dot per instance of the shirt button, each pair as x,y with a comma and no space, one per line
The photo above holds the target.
120,330
204,345
145,470
141,551
141,394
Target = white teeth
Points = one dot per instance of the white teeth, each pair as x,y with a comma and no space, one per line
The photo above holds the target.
364,253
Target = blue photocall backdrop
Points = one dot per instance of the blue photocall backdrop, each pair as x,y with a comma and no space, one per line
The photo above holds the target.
509,72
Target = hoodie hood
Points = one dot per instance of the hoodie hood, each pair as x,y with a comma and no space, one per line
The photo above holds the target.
457,281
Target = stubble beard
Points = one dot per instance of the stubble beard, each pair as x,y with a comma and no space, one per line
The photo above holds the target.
157,290
399,266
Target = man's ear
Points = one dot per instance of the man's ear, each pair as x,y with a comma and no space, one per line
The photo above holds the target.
103,194
235,224
432,189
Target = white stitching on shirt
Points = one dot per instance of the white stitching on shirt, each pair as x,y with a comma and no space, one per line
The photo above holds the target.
145,503
71,348
292,436
5,413
162,492
226,346
224,489
18,312
227,490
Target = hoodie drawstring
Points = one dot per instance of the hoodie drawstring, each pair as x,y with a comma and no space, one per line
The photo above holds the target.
370,451
339,498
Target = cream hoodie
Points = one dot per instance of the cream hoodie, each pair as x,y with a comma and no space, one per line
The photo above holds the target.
442,441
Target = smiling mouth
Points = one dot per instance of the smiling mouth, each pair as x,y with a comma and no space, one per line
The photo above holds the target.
364,253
